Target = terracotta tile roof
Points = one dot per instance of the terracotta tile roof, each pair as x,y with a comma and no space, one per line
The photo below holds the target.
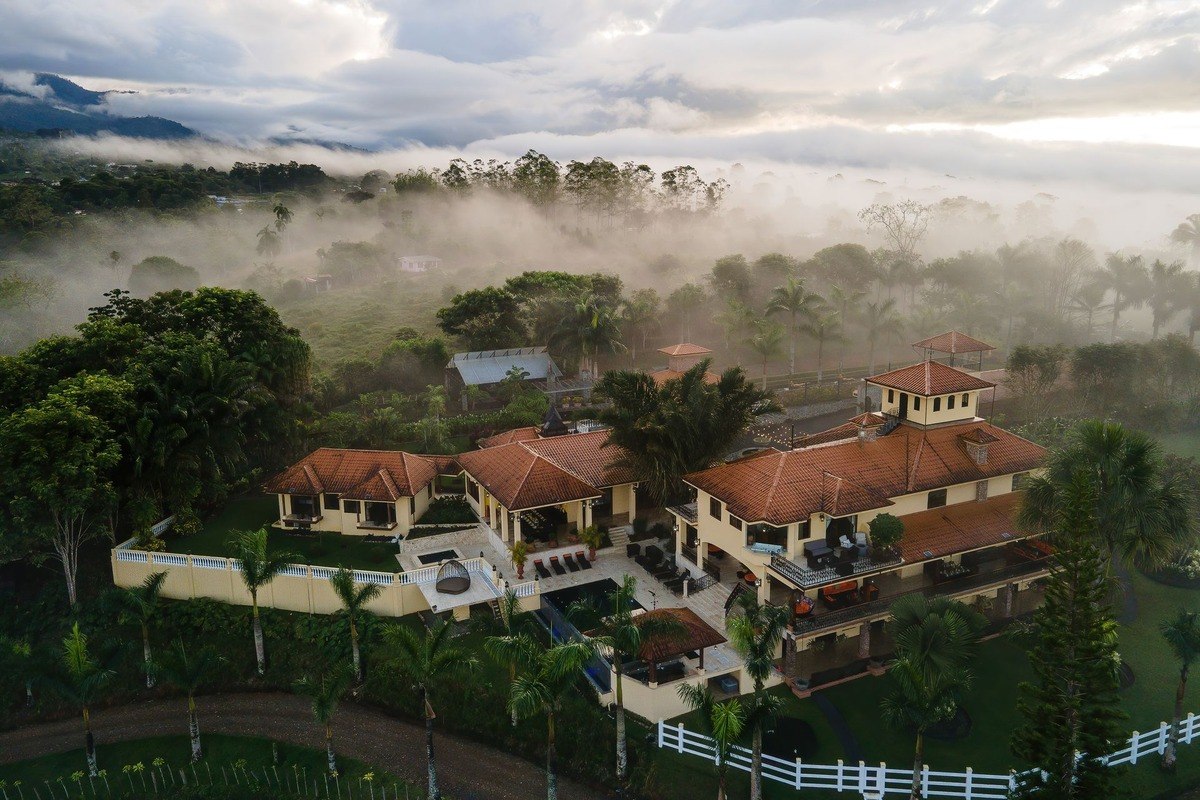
868,420
847,430
978,436
359,474
954,342
694,634
661,376
840,497
508,437
685,349
930,378
780,488
520,478
588,456
944,531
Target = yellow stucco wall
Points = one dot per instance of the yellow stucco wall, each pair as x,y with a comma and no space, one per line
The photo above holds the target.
340,521
925,415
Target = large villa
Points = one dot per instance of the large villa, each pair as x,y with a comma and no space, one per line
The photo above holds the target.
791,525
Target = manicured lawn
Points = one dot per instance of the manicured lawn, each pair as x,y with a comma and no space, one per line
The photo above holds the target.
220,751
251,512
1182,443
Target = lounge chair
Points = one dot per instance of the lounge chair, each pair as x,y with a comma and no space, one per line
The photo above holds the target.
541,568
557,566
581,559
570,562
633,550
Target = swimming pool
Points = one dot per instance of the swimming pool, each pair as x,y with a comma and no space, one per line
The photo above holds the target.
440,555
597,592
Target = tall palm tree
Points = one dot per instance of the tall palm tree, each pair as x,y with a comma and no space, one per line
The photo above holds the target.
766,342
1088,301
1188,233
919,701
139,604
800,305
882,322
1142,513
1183,637
846,301
189,673
1166,293
1126,277
639,316
735,319
825,326
258,567
755,634
723,722
426,660
615,628
325,693
540,690
268,242
515,644
354,599
82,683
588,329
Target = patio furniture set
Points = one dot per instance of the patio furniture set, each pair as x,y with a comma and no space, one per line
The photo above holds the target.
662,567
576,562
820,555
848,593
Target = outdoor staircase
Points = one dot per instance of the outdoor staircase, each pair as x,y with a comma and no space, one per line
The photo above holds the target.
494,605
620,536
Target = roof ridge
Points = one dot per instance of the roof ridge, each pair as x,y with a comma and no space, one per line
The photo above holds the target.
554,463
313,478
386,476
774,484
916,462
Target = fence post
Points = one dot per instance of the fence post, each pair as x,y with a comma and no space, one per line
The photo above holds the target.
1163,730
799,783
862,776
660,734
1012,781
881,779
1133,749
679,741
924,780
967,781
1188,727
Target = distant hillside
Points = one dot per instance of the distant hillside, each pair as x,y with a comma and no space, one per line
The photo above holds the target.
71,108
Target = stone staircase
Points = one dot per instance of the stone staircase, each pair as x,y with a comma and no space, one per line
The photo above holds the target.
620,536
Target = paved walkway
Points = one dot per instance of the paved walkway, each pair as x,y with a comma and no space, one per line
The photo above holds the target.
467,770
841,729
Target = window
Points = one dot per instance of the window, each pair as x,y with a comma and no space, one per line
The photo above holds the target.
714,508
950,401
735,522
966,399
937,404
331,502
350,506
767,534
1020,481
916,403
412,507
473,489
891,395
937,498
803,532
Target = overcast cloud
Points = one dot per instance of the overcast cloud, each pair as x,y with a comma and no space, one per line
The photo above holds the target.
995,88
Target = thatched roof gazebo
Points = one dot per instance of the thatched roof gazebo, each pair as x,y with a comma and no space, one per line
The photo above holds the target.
694,634
453,578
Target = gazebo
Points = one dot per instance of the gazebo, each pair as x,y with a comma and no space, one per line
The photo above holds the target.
953,343
453,578
695,634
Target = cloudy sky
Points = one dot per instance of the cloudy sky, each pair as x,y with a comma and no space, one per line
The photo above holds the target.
1105,90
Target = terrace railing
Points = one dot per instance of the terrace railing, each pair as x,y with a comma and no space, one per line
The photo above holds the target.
872,781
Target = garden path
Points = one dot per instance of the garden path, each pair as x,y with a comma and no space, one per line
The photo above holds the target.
467,770
850,747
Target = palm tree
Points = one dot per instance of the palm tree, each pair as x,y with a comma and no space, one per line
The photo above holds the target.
1188,233
755,634
425,661
882,322
354,599
83,681
516,644
723,722
919,701
325,693
283,216
800,305
1166,293
588,328
268,242
540,690
823,327
1088,301
1183,637
189,674
258,567
139,604
615,628
846,302
736,318
640,316
1142,513
1128,280
766,342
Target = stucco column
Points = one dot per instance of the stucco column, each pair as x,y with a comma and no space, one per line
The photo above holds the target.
586,516
701,553
632,502
1010,596
864,640
504,526
764,586
516,529
680,534
282,510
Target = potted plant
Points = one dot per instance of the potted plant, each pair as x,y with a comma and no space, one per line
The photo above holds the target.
520,554
886,532
593,538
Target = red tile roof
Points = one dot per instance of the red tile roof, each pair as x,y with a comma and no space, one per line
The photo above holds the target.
930,378
359,474
508,437
958,528
954,342
685,349
588,456
661,376
780,488
520,478
694,633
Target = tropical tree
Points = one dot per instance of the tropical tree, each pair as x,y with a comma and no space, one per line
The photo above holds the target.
723,722
640,315
427,661
1166,293
258,567
269,243
1088,301
735,319
1126,277
801,307
1187,233
189,673
540,689
766,342
846,301
919,701
1183,637
354,598
515,643
826,325
325,692
683,304
588,329
139,605
882,323
614,628
82,683
755,633
283,216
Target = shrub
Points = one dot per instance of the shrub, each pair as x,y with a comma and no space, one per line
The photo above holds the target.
886,531
445,510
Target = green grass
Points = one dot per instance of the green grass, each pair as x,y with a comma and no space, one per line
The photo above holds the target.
252,512
219,751
1181,443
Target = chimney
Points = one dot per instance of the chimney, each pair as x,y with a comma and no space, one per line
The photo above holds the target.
978,452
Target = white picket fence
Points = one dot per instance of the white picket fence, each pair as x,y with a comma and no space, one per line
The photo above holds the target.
874,782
